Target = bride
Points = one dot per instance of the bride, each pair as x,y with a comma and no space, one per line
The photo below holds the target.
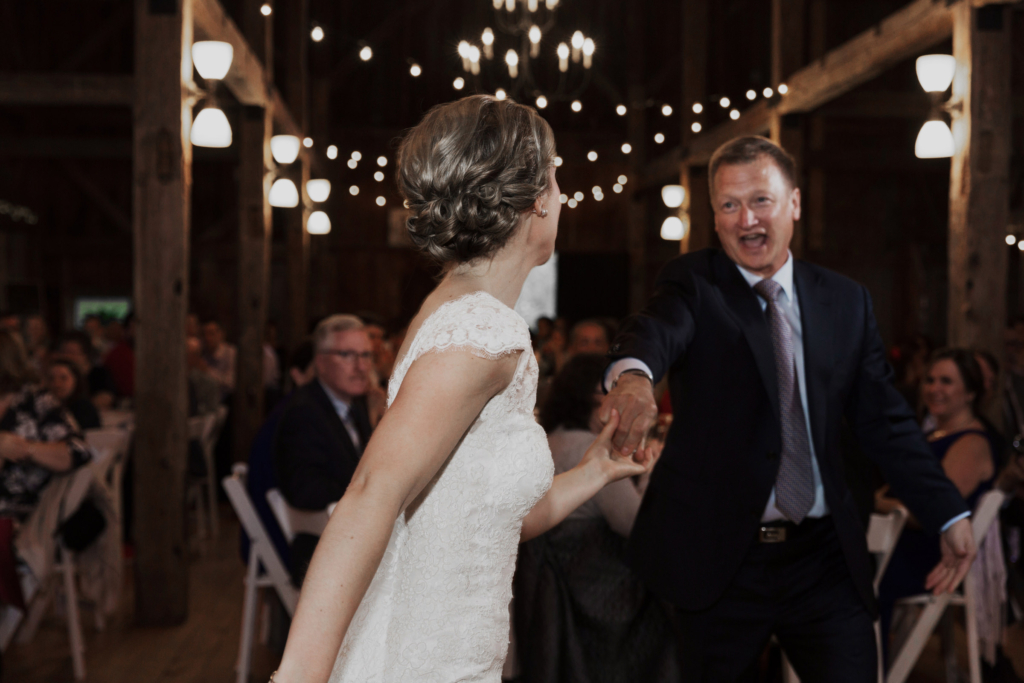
411,580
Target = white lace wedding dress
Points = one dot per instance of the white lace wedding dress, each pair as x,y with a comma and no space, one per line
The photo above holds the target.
437,608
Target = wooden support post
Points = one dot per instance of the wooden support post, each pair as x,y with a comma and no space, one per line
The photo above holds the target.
162,179
699,227
979,207
254,232
788,57
296,238
637,215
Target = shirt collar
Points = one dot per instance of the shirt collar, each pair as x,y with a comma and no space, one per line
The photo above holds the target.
784,277
340,406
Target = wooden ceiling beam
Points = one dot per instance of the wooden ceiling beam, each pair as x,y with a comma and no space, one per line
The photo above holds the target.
902,34
66,89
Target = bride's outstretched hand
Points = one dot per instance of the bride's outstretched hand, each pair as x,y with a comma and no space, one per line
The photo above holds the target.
605,457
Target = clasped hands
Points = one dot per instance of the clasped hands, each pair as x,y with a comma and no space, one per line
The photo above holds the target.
631,408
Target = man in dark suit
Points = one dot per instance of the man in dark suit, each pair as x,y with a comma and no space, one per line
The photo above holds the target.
325,427
748,526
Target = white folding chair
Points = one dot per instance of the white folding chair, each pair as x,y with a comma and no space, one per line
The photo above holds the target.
294,521
265,567
883,533
111,446
986,514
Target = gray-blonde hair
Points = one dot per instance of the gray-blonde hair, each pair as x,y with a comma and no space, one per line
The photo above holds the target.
342,322
468,171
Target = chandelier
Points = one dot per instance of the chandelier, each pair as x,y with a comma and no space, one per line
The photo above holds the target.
529,25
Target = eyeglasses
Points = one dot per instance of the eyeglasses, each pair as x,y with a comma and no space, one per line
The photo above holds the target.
349,356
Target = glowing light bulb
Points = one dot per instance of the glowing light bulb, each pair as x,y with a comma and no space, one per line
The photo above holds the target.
695,127
577,40
622,179
617,188
576,105
459,83
563,198
382,161
212,58
562,51
366,54
558,161
672,229
697,107
572,203
487,37
332,152
352,163
783,88
266,10
378,176
724,102
318,189
626,148
659,138
542,102
317,34
767,92
318,223
353,190
1010,239
285,148
589,47
673,196
734,114
381,201
415,70
512,60
592,155
935,141
578,196
284,194
307,142
666,110
534,34
620,110
751,95
357,155
500,94
211,129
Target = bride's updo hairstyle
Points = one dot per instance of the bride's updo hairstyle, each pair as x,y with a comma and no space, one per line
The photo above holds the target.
468,171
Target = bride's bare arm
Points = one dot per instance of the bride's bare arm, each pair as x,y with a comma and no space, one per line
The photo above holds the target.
440,397
601,465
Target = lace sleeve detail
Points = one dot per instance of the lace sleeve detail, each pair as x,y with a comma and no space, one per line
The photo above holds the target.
477,323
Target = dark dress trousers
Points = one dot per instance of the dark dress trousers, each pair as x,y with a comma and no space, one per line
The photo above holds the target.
314,458
700,517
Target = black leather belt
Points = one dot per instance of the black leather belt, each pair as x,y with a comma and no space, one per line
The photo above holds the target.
772,533
784,530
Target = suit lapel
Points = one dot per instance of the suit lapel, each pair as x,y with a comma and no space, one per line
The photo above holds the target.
337,426
742,301
815,316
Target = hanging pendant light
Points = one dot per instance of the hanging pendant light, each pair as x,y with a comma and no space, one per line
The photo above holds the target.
673,196
935,141
285,148
318,223
211,129
212,58
935,72
284,194
673,229
318,189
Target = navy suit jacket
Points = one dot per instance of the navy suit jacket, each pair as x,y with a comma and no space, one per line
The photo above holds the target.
705,328
314,457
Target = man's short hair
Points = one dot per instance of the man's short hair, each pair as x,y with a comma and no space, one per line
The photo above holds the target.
747,150
332,324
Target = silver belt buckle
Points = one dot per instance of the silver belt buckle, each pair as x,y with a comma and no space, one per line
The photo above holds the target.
772,534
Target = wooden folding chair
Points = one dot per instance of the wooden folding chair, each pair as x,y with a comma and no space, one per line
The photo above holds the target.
265,567
294,521
986,514
883,533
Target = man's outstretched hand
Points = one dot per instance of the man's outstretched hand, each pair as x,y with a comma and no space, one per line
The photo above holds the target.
958,552
633,398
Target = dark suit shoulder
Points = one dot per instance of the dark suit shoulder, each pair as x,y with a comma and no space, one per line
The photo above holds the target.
685,266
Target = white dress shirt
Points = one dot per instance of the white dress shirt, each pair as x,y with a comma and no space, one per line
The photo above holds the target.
343,409
791,307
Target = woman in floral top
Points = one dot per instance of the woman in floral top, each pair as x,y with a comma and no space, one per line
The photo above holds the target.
37,439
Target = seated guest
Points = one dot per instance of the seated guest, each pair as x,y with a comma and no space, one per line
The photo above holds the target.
92,325
99,382
37,440
588,336
220,357
37,341
120,360
64,381
580,613
204,392
952,391
325,426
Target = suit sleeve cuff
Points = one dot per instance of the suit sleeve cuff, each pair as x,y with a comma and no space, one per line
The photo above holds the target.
962,515
620,366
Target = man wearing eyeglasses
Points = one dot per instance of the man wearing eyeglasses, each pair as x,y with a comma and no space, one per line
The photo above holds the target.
325,426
